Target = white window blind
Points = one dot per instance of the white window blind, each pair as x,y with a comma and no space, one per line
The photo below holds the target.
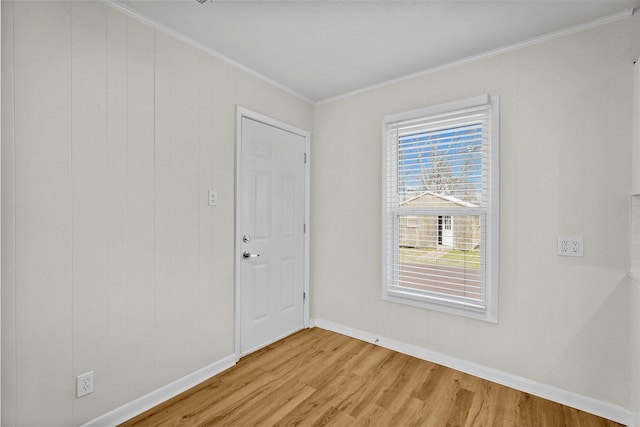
440,207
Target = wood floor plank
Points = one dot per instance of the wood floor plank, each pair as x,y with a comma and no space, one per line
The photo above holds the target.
319,378
375,357
482,411
257,404
373,415
374,390
410,413
341,418
459,411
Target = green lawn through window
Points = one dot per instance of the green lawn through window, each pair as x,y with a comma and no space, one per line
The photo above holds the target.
440,256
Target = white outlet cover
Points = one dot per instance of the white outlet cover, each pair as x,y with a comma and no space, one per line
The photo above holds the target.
84,384
571,246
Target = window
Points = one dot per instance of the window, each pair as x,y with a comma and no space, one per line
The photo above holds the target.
412,221
440,207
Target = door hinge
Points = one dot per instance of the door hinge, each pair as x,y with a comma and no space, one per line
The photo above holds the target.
304,228
305,158
304,297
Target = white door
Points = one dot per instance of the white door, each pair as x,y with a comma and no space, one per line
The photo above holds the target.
445,227
271,228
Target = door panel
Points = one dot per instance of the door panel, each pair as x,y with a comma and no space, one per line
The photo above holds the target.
271,201
447,231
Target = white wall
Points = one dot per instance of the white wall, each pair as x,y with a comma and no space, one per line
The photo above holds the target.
112,261
565,170
635,302
635,254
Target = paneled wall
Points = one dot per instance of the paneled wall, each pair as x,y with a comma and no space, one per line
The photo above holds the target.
635,252
112,261
112,133
565,109
635,300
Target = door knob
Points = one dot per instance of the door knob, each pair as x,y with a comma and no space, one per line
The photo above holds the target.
246,254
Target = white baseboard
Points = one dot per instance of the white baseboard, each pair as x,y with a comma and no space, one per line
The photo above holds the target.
603,409
164,393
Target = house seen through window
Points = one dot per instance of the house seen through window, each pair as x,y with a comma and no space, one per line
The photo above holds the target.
440,212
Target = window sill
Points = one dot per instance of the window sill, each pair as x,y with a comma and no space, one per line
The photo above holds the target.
485,316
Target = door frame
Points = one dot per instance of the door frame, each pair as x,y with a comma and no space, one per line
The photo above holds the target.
253,115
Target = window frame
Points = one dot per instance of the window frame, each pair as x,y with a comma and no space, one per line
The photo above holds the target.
489,217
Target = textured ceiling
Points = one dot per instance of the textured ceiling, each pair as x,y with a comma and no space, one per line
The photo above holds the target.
323,49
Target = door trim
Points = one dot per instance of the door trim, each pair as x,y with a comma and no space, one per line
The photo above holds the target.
253,115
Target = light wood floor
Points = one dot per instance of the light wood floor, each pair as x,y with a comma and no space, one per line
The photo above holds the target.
317,377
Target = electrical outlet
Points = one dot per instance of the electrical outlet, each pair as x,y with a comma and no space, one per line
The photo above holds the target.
576,247
213,198
570,246
84,384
